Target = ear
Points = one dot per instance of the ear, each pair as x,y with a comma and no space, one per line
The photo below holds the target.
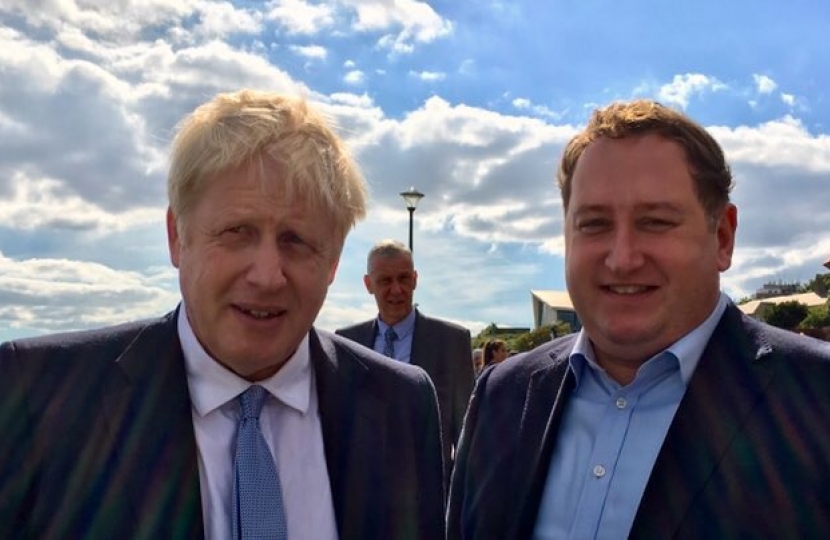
414,279
727,225
367,281
174,241
333,271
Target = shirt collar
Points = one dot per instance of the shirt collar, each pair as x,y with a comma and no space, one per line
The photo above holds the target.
212,385
402,328
687,349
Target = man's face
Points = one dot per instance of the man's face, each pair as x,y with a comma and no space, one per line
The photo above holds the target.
642,261
254,270
392,280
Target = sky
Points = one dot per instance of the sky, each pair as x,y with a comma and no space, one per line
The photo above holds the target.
467,101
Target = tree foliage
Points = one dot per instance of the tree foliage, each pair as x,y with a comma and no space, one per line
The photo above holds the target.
818,317
787,315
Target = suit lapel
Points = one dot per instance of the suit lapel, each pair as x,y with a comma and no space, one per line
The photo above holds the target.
727,384
368,331
147,413
352,420
546,396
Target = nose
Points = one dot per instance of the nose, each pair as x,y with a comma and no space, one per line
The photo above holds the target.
266,269
624,254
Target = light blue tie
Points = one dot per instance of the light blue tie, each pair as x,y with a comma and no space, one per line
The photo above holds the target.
258,512
389,342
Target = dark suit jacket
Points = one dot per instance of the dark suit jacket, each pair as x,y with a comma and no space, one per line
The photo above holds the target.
96,438
746,456
443,350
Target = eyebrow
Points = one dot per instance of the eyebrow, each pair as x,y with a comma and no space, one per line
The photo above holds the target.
641,207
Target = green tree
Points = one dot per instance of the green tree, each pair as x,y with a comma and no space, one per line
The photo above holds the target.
532,339
818,317
787,315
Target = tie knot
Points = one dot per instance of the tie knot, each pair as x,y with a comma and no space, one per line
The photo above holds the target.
251,401
390,334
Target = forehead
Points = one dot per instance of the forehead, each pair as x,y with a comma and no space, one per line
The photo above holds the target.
390,264
645,168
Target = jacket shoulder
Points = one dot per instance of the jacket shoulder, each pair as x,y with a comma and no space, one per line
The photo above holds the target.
354,328
442,325
82,342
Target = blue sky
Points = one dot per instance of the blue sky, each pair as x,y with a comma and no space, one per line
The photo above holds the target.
470,102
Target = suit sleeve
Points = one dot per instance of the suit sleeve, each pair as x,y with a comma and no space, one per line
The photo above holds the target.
16,455
459,482
429,478
463,387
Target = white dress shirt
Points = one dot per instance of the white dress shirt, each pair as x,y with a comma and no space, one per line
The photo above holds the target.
290,423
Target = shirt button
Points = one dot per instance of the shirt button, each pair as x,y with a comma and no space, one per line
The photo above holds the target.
599,471
621,403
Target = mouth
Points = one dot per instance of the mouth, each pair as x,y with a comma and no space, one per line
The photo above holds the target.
629,290
259,313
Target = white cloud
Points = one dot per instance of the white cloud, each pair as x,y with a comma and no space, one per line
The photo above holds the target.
764,84
525,104
403,23
45,204
60,294
683,87
788,99
301,17
310,51
418,22
521,103
354,77
428,76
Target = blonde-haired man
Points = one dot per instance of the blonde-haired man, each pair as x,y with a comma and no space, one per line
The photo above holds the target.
230,417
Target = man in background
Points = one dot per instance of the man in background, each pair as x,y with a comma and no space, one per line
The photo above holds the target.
231,417
400,331
670,414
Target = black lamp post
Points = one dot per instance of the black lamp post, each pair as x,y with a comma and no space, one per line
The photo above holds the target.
411,197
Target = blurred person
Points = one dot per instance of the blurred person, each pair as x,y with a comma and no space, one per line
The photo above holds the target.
495,351
670,414
478,360
232,416
402,332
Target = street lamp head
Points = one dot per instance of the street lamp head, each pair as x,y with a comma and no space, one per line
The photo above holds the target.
412,197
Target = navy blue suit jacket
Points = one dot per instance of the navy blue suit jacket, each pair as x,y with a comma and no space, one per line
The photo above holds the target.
443,350
746,456
96,438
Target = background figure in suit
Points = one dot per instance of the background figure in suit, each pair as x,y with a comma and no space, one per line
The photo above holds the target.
131,431
441,348
671,414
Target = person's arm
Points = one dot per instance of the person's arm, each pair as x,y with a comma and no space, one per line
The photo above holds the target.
432,496
463,384
16,453
459,484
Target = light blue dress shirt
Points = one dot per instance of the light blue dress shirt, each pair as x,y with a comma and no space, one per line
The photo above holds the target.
404,330
610,437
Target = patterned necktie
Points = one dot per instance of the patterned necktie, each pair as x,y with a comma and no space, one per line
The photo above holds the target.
389,345
257,498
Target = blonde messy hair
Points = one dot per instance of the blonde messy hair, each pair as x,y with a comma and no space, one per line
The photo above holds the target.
246,127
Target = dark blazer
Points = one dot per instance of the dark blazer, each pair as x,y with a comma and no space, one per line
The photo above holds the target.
443,350
746,456
96,438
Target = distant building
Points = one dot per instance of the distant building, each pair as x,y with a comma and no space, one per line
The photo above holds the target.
757,308
552,306
777,288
